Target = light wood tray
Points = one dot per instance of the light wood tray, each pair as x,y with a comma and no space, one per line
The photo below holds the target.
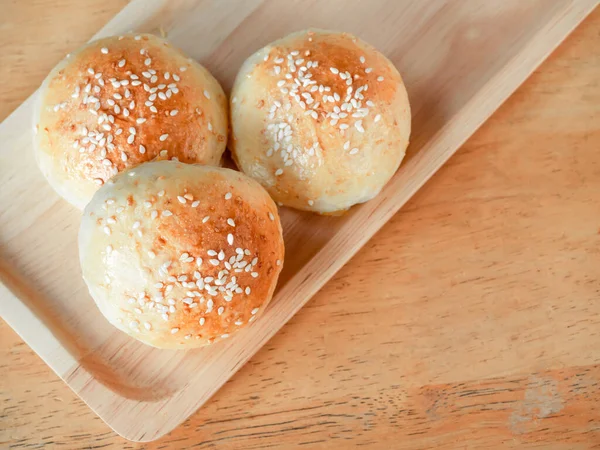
460,60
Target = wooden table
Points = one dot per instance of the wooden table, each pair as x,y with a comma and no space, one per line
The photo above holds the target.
472,320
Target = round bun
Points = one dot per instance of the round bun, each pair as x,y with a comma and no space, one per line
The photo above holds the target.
122,101
179,255
320,119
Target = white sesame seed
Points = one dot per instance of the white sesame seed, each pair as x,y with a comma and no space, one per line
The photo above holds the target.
130,138
377,118
181,199
201,321
368,70
174,330
271,216
311,202
142,149
207,94
230,239
362,59
174,112
220,310
379,78
163,137
134,324
247,290
167,213
334,70
228,196
107,162
140,120
278,262
136,224
205,219
123,156
230,222
195,204
278,172
121,63
254,311
224,336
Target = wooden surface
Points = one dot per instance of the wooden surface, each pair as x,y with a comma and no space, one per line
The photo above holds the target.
468,321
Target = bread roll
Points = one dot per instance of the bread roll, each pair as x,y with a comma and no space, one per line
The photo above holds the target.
320,119
121,101
179,255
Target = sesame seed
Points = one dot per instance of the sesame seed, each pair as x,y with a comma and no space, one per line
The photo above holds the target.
230,222
379,78
278,262
161,193
210,127
174,112
134,324
167,213
136,224
163,137
368,70
205,219
106,162
334,70
220,310
140,120
142,149
362,59
174,330
181,199
151,254
228,196
206,94
377,118
195,204
148,61
254,311
247,290
271,216
201,321
354,151
230,239
278,172
311,202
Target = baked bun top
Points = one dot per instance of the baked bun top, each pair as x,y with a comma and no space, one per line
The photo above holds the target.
180,255
122,101
321,119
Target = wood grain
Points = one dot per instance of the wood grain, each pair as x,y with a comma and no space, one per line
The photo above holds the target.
469,321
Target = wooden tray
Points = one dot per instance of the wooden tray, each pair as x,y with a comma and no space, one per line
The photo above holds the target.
460,60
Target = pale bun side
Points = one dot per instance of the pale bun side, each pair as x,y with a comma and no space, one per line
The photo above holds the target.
321,119
179,255
121,101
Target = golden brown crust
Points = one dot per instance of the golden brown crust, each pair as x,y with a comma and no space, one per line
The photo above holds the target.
320,119
175,230
122,101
